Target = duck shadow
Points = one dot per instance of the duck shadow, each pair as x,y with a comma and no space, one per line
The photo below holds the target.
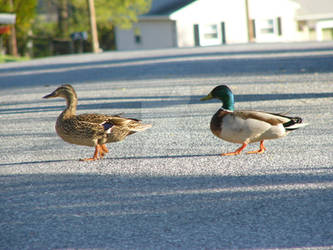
111,158
35,162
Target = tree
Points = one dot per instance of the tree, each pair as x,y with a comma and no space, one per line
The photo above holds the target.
122,13
110,13
73,16
62,9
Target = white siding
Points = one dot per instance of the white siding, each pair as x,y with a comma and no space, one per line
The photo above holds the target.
154,34
185,33
324,30
209,12
275,21
263,10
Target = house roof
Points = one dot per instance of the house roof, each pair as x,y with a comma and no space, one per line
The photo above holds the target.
166,7
319,9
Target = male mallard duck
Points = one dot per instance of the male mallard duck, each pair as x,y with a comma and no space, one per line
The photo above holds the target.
92,130
247,126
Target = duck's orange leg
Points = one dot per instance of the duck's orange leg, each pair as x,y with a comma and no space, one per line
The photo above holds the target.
260,150
238,150
103,150
95,157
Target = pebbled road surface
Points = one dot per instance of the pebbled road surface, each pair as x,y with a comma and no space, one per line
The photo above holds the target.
168,187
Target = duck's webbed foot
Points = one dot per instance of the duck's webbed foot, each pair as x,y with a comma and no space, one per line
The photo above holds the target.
103,150
260,150
237,151
95,156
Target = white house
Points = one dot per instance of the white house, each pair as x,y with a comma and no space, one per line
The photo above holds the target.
188,23
315,19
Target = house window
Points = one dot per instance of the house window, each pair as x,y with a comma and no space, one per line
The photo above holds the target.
137,35
267,26
207,34
137,39
210,31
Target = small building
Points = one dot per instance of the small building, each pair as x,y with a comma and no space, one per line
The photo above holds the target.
188,23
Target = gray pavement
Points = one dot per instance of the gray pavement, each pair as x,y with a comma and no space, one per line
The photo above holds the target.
167,187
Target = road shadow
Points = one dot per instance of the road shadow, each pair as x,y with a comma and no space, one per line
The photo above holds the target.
46,211
172,67
188,55
113,103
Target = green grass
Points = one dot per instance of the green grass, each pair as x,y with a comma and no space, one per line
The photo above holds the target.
7,58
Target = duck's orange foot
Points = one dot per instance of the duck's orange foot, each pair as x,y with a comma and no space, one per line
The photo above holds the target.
237,152
231,153
89,159
95,157
103,150
261,150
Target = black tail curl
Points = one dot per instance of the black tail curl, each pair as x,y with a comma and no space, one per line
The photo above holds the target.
293,121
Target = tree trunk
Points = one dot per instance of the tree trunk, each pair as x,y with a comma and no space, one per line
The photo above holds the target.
63,18
93,26
12,38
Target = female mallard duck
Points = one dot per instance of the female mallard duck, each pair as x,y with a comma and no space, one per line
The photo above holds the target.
245,127
92,130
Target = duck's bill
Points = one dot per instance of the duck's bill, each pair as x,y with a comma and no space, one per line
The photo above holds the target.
208,97
50,95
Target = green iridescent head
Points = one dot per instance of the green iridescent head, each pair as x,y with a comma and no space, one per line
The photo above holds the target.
224,94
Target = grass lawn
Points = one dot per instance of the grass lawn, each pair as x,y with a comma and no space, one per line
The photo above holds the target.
7,58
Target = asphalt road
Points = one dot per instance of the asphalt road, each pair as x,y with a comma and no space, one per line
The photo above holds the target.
168,187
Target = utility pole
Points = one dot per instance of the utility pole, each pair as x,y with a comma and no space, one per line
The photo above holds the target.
12,38
93,26
249,22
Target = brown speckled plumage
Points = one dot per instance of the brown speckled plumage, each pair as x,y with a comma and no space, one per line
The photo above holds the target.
88,129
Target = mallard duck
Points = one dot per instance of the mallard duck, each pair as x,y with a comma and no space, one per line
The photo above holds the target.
94,130
245,126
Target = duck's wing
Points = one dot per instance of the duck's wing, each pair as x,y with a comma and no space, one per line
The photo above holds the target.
290,123
75,129
271,118
95,118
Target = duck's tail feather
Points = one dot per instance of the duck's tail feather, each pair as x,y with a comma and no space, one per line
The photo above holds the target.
130,124
294,123
285,112
138,127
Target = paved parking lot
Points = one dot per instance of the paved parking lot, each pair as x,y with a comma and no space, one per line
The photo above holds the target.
168,187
